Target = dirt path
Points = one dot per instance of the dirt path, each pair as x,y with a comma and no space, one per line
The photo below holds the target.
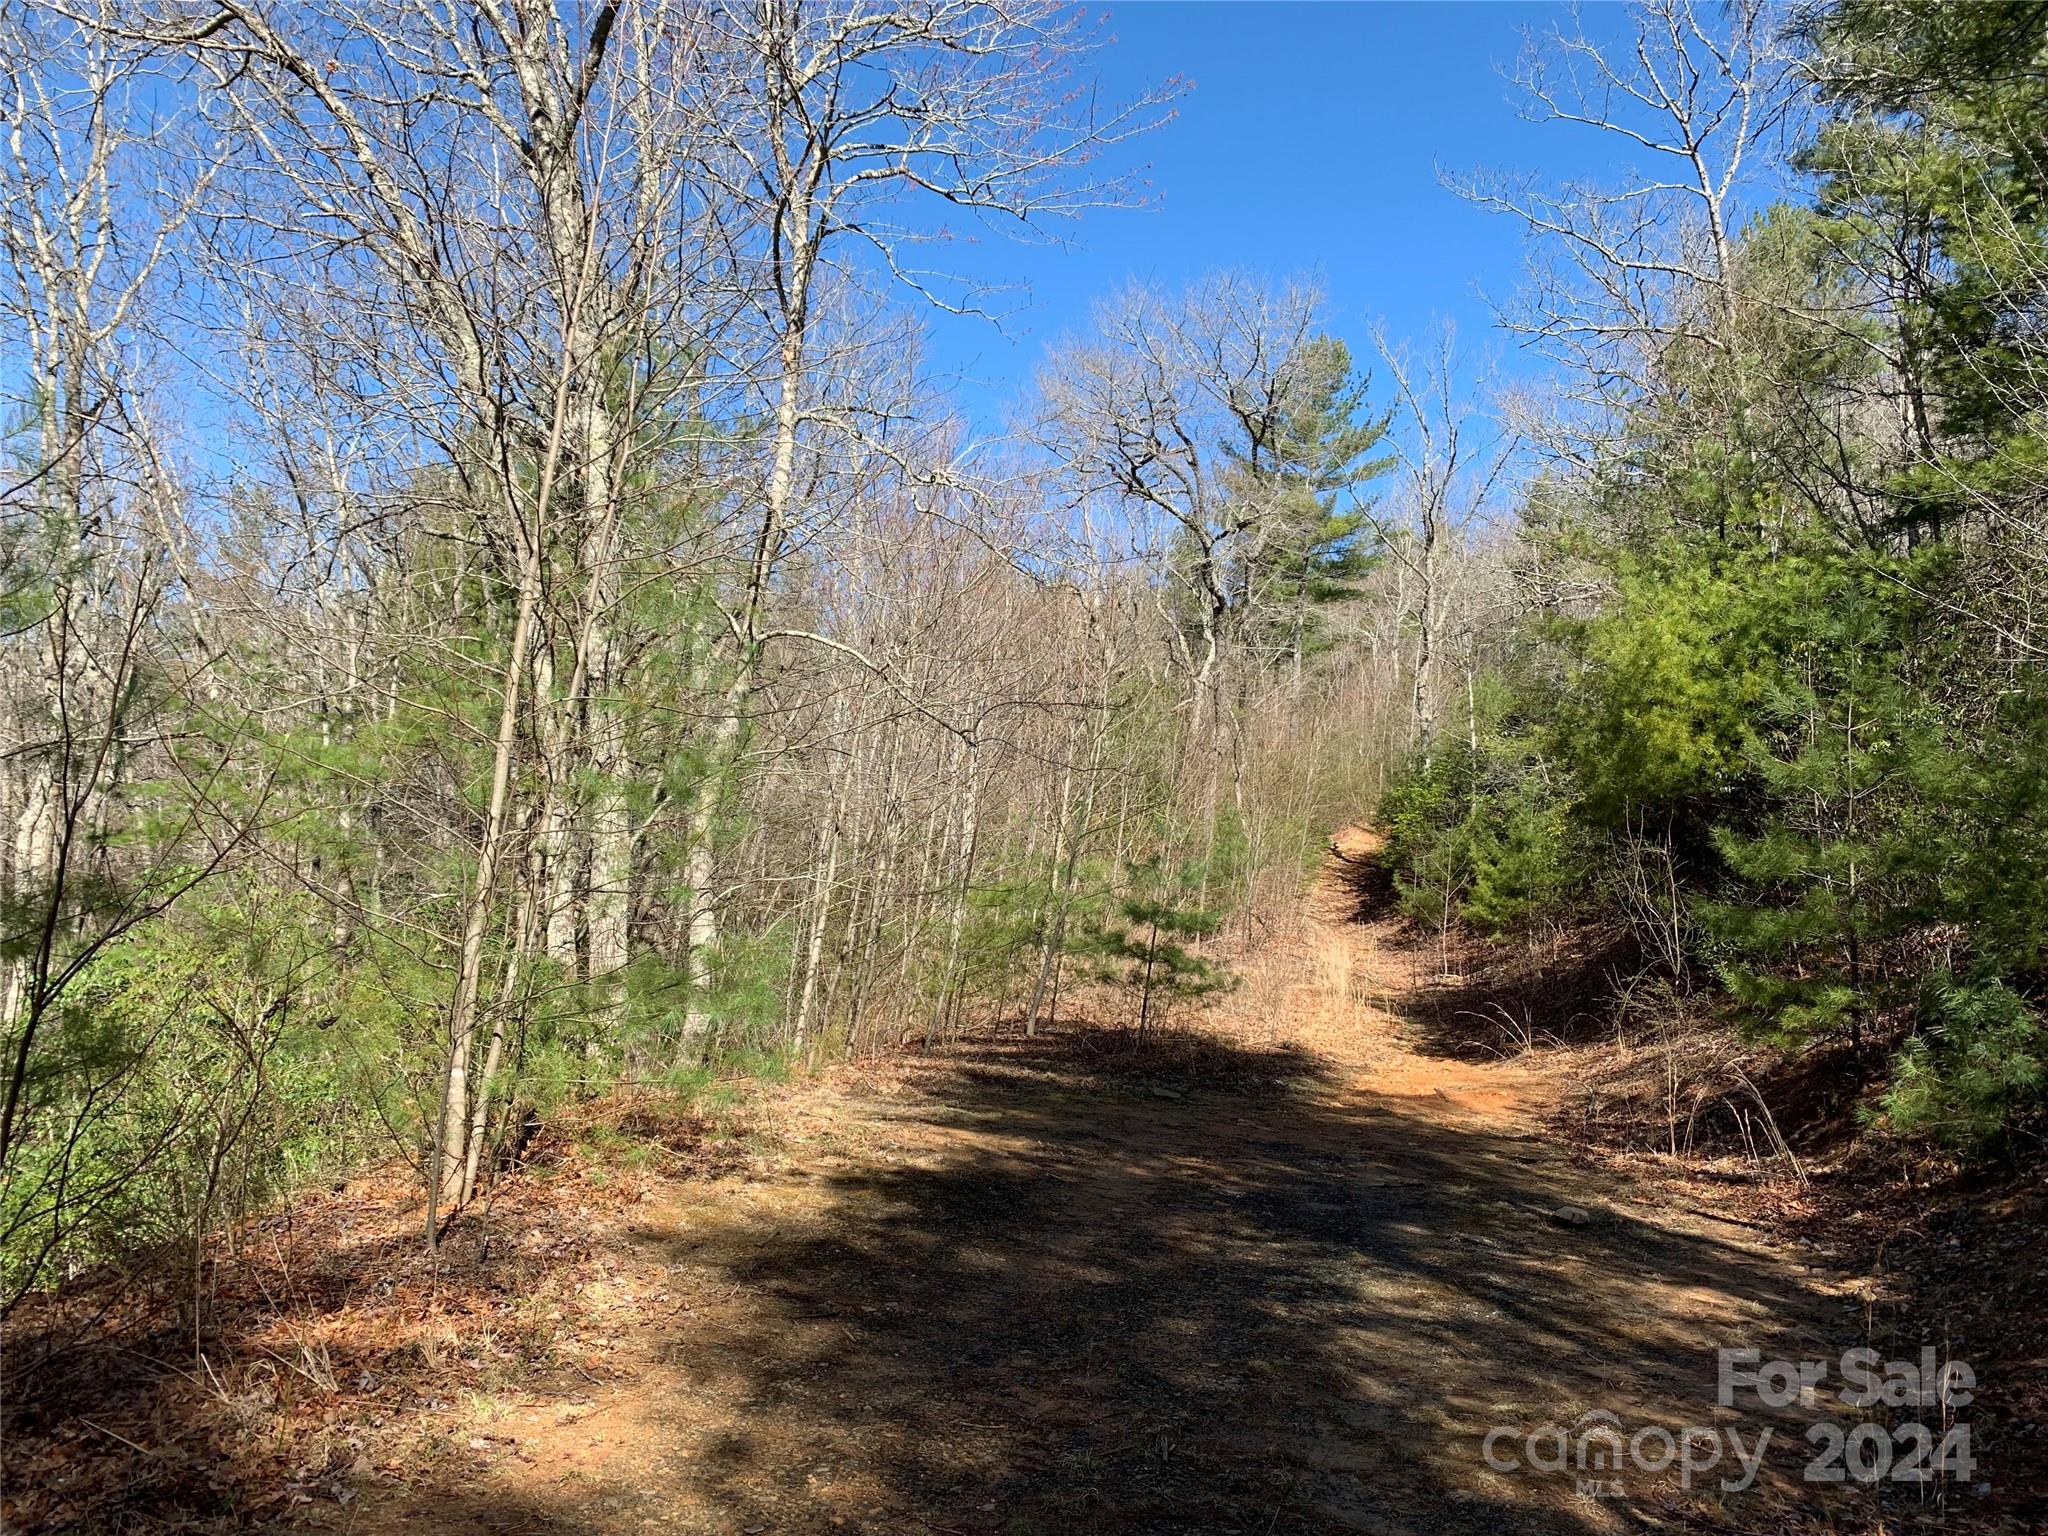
1283,1281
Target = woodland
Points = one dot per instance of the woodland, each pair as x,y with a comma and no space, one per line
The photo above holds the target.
495,612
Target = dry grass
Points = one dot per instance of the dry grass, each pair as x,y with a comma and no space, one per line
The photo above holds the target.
335,1349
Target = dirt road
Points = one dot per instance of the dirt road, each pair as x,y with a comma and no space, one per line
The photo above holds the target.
1281,1281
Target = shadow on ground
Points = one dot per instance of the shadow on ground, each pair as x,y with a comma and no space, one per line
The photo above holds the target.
1080,1288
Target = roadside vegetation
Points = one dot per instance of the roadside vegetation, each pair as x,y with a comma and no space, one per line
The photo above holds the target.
1773,702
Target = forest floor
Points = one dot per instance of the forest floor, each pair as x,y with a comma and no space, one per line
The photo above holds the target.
1277,1273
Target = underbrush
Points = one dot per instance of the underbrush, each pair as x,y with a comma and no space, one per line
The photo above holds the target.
331,1341
1804,980
1695,1088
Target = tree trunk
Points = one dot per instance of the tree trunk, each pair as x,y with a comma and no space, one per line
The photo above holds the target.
449,1152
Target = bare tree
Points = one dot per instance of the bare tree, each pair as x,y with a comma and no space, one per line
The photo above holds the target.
1620,272
1154,425
1453,465
91,510
849,111
501,193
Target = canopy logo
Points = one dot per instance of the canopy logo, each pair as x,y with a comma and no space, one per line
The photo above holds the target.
1599,1452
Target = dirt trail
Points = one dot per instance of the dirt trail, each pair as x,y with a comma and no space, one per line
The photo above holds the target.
1282,1282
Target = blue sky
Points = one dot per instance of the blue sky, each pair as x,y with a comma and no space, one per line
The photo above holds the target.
1309,143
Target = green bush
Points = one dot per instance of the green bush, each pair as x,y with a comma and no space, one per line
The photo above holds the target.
1484,836
1979,1061
188,1077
